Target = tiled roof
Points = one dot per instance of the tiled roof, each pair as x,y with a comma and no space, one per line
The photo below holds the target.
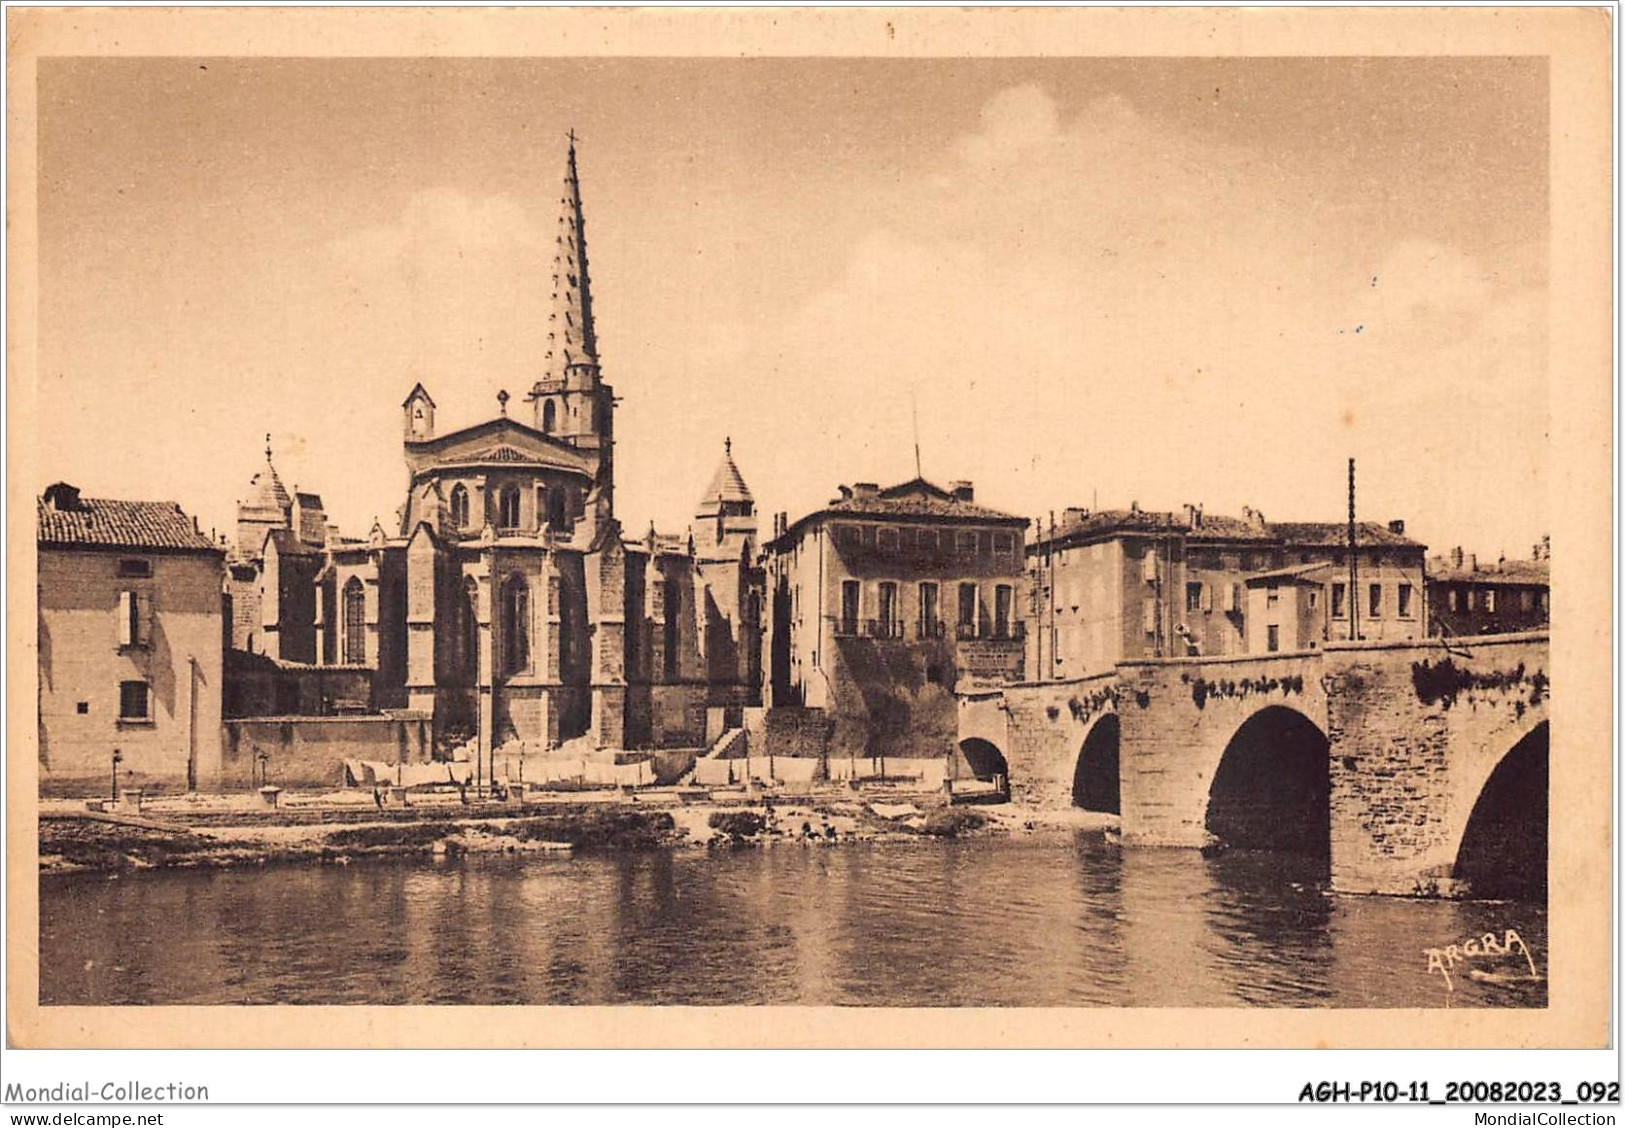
1335,534
1218,527
104,523
309,500
918,498
1507,573
913,499
1297,571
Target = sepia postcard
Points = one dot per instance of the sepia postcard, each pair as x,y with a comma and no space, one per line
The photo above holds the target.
809,528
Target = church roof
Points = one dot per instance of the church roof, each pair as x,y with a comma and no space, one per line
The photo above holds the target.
571,337
501,441
728,484
67,520
265,489
288,543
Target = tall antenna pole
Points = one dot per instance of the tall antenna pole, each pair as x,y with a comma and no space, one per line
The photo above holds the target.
914,409
1354,567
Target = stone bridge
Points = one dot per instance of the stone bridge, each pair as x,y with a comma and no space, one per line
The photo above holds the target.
1414,767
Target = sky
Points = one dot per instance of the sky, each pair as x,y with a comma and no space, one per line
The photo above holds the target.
1092,281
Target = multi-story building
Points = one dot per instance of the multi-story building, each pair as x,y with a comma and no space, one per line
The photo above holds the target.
1122,585
883,601
1466,598
1317,597
131,632
504,600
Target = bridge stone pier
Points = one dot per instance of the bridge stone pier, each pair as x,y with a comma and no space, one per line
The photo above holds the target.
1414,767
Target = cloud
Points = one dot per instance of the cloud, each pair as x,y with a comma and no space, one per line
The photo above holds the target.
1103,302
1013,120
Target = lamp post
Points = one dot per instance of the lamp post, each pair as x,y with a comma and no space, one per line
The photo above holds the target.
118,758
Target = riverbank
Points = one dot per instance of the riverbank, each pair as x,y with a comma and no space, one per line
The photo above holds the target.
233,832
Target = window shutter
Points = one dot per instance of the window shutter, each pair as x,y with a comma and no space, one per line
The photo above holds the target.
1150,616
126,618
1148,568
1207,597
143,619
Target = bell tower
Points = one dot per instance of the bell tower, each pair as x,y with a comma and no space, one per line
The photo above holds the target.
419,420
572,403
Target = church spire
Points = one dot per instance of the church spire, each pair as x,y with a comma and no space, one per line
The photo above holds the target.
571,340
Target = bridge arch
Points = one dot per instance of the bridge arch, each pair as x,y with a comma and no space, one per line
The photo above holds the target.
985,760
1502,847
1097,776
1271,789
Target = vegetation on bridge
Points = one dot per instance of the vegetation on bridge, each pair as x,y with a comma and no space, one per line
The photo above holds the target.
1443,683
1225,688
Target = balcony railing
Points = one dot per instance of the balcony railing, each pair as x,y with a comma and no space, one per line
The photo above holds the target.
923,630
996,632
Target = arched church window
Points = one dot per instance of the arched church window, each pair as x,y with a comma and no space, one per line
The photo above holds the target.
515,625
508,507
550,417
459,506
355,622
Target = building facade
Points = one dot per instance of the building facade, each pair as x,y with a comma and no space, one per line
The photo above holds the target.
883,602
1467,598
131,631
1125,585
504,600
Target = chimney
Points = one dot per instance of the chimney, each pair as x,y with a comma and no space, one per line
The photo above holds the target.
1074,515
1397,528
1193,515
865,489
846,494
1255,517
62,497
1134,507
1457,560
1472,561
962,491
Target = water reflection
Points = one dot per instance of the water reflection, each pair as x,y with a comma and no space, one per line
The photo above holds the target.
1021,922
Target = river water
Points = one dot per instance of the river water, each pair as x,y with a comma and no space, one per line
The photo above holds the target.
1058,920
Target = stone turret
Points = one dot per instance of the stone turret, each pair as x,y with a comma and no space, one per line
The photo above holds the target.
267,505
725,519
